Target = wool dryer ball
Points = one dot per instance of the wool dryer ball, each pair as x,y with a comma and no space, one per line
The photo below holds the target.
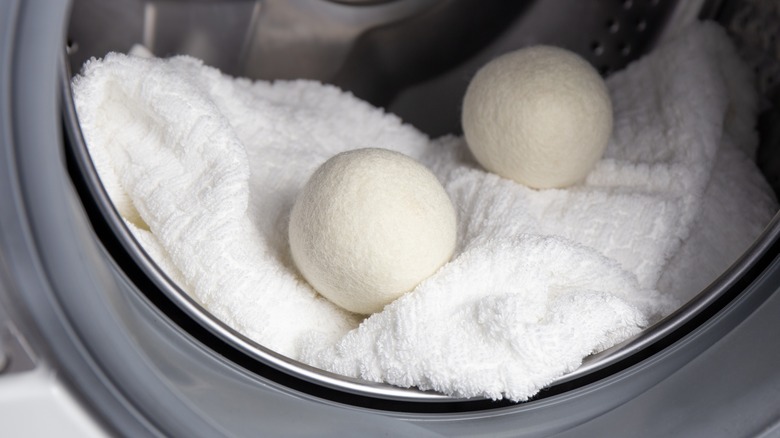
540,116
369,225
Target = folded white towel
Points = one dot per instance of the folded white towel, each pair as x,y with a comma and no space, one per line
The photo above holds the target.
207,167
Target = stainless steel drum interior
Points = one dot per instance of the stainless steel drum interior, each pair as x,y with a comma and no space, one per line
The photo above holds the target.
240,37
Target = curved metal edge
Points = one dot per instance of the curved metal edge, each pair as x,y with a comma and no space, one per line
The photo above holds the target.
31,33
696,306
191,307
575,406
591,365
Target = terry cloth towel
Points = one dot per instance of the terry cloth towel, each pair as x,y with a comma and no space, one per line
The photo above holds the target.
205,169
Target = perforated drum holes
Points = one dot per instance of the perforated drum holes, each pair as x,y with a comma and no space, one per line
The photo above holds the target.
628,29
613,26
71,46
597,48
752,25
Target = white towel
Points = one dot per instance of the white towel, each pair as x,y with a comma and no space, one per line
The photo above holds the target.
206,168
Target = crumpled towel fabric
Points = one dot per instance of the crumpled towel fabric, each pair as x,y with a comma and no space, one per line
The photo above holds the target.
205,168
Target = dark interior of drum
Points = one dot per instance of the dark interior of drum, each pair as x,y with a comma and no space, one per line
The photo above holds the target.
415,58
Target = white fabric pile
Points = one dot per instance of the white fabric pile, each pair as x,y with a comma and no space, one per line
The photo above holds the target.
205,168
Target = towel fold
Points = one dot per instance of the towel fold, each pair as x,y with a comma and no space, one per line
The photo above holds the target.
205,169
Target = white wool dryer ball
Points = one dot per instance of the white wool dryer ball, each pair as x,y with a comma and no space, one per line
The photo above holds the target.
540,116
369,225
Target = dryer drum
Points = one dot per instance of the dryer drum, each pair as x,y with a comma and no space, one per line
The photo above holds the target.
145,358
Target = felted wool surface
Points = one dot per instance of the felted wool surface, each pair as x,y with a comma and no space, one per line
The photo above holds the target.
370,225
207,167
540,116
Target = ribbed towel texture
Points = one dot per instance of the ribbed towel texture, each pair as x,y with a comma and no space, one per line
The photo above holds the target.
205,169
